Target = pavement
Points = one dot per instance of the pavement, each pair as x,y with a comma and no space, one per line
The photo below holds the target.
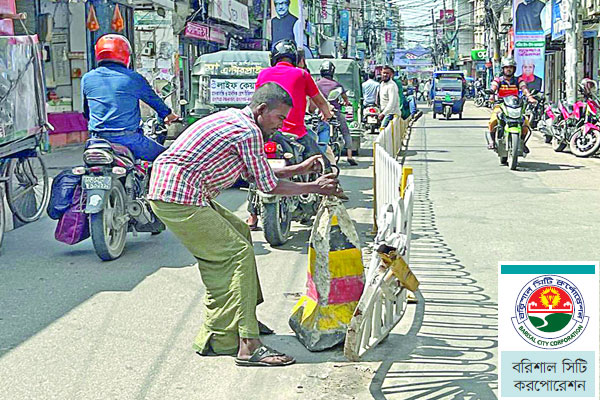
74,327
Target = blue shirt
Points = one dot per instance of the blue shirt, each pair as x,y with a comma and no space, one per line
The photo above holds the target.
369,88
111,98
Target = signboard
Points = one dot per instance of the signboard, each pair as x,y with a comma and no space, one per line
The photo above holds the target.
449,14
558,29
217,35
388,36
478,54
344,24
230,11
197,31
529,42
231,91
417,56
548,330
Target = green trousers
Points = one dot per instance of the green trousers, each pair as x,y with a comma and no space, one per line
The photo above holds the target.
222,245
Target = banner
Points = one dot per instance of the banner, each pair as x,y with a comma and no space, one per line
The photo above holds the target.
530,41
287,21
417,56
558,29
344,24
231,91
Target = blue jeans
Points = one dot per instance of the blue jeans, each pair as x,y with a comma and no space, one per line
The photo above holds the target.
323,134
140,145
412,103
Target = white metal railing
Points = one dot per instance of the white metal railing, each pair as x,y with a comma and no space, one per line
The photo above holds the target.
388,178
391,137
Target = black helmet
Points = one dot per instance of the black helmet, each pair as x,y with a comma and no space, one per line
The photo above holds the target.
327,68
285,48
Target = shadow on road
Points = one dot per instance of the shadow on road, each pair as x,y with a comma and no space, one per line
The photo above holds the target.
543,166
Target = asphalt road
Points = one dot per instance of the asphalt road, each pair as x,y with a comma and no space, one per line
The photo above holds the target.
73,327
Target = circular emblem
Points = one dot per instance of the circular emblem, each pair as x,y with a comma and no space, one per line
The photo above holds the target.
550,312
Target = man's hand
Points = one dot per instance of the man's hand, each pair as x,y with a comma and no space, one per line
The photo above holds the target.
381,117
171,118
328,185
531,99
312,164
326,116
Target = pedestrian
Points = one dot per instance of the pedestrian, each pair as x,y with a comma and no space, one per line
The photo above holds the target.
422,90
370,89
428,91
203,161
388,96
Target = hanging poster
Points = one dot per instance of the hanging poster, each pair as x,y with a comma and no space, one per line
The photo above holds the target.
530,41
287,21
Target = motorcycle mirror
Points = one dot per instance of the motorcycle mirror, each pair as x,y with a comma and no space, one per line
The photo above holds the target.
183,102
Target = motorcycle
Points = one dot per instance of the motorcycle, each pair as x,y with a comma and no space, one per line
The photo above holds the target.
549,121
115,186
481,99
509,144
567,124
371,119
586,140
277,211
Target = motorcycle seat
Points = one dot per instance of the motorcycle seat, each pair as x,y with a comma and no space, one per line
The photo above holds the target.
118,149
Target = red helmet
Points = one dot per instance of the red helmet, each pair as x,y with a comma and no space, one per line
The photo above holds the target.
113,47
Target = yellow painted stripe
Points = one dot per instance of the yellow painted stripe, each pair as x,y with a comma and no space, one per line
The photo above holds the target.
309,306
347,262
335,316
334,220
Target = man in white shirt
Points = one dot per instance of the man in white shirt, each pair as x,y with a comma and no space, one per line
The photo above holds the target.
370,88
388,96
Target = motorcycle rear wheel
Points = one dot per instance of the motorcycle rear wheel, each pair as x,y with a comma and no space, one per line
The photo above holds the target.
585,145
106,228
337,151
276,222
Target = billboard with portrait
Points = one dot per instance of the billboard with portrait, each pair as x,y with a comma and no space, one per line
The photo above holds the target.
287,21
528,24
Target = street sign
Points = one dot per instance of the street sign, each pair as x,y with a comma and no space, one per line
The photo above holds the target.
478,54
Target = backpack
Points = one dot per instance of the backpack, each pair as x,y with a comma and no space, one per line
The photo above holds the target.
61,196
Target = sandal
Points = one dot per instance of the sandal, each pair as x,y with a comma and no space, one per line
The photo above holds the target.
260,354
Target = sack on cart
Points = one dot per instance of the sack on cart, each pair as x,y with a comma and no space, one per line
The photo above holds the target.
61,195
335,279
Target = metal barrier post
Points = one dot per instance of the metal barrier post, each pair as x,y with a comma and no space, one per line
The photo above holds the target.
406,171
374,228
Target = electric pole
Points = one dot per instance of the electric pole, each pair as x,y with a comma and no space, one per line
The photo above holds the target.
571,56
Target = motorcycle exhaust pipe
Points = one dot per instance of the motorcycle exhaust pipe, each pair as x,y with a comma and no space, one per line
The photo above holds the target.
138,211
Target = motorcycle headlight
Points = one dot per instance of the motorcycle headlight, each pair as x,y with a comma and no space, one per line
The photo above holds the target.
513,112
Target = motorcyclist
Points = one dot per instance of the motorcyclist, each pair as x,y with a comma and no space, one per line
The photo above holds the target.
300,85
326,84
111,99
504,85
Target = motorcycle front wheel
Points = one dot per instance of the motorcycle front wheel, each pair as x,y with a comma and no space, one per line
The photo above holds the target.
276,222
479,101
557,144
585,145
108,227
513,151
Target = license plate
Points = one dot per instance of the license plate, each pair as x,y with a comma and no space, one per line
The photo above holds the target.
97,182
276,162
371,120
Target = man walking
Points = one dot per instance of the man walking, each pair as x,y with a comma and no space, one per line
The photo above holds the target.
370,89
204,160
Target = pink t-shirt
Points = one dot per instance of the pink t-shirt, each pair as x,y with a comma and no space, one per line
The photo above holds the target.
299,84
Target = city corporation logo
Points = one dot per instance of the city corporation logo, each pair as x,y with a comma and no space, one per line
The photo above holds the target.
550,312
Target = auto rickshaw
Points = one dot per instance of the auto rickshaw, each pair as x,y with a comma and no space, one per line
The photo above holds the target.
225,79
448,91
347,72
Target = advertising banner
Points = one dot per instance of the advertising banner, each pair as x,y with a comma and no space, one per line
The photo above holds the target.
230,11
529,42
478,54
231,91
344,24
287,21
417,56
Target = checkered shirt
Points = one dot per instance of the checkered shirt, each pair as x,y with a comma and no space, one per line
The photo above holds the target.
209,157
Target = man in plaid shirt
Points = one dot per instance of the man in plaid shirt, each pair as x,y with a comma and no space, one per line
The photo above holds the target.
204,160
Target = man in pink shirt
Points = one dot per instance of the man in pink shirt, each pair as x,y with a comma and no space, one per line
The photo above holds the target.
300,85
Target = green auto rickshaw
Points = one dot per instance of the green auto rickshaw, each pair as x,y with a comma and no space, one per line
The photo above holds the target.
225,79
348,73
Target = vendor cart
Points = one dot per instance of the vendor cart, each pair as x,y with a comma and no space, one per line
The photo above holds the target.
23,175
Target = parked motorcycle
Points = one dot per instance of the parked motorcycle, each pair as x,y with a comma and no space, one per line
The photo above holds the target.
567,124
115,186
509,144
586,139
549,121
481,99
371,119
